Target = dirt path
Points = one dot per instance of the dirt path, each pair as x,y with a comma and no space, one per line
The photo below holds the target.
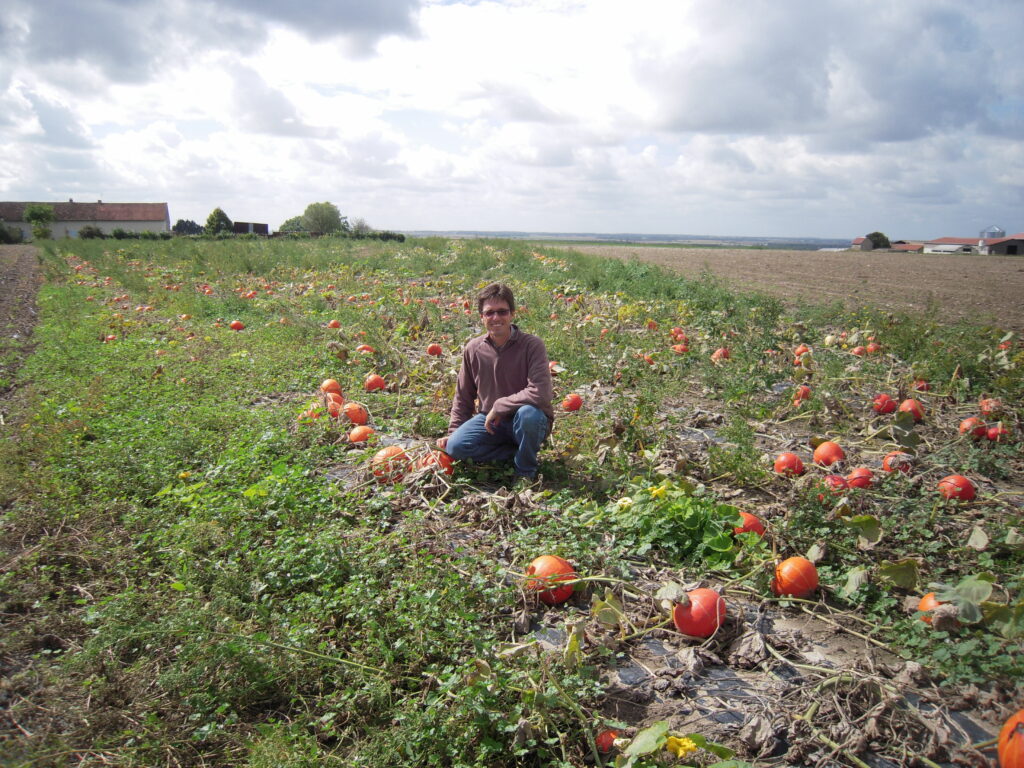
981,288
20,277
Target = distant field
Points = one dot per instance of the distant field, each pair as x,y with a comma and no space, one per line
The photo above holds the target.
983,288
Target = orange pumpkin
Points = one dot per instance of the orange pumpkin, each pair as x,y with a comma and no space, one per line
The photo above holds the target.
861,477
990,406
390,464
546,571
330,385
883,404
236,325
703,616
360,434
974,427
795,577
788,464
373,382
606,740
1011,741
355,412
898,461
926,605
434,350
913,407
572,402
439,461
956,487
828,453
750,523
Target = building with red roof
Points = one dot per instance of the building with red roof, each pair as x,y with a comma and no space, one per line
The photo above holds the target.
70,217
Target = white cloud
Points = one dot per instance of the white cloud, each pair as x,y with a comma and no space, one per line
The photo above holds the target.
703,117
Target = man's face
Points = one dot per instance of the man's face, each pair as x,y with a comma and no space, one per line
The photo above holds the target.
497,319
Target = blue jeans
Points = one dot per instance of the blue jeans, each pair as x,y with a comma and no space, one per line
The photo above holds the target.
518,438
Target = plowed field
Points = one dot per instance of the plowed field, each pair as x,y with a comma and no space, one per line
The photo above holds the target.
981,288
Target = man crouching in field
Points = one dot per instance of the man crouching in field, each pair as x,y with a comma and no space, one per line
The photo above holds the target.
502,405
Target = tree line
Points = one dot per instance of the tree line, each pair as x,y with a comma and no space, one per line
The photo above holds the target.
318,220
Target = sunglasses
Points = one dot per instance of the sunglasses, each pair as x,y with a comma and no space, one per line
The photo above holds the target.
497,312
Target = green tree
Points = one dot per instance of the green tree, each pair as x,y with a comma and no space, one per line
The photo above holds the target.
324,219
879,240
217,222
294,224
40,216
186,227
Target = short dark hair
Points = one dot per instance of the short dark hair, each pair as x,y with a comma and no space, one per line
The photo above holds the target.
495,291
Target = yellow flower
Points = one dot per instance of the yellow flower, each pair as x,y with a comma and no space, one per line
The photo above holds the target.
184,475
658,492
680,747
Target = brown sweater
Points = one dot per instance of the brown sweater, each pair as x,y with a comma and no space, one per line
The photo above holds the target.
503,379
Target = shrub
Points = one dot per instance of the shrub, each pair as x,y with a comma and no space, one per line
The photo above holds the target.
91,232
9,235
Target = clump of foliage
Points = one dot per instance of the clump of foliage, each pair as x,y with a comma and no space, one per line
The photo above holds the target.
91,232
40,216
217,223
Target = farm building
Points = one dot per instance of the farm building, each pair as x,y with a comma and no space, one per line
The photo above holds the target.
1004,246
907,247
70,217
988,246
952,245
862,244
249,228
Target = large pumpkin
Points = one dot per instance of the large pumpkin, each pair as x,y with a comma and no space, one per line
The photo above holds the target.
1011,741
544,572
390,464
704,614
795,577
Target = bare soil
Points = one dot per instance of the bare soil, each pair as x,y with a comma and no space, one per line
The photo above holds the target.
987,289
20,277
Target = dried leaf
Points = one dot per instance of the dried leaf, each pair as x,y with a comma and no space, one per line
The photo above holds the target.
573,652
817,552
869,530
945,618
748,650
978,539
855,579
670,594
758,735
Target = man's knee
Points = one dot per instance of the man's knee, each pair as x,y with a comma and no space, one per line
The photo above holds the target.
533,422
462,443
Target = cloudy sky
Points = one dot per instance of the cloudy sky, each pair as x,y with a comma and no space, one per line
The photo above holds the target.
815,118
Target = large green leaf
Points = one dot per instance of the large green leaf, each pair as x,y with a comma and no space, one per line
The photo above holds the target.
855,578
649,740
869,530
905,573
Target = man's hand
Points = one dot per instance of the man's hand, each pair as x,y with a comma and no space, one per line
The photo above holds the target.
492,421
442,442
